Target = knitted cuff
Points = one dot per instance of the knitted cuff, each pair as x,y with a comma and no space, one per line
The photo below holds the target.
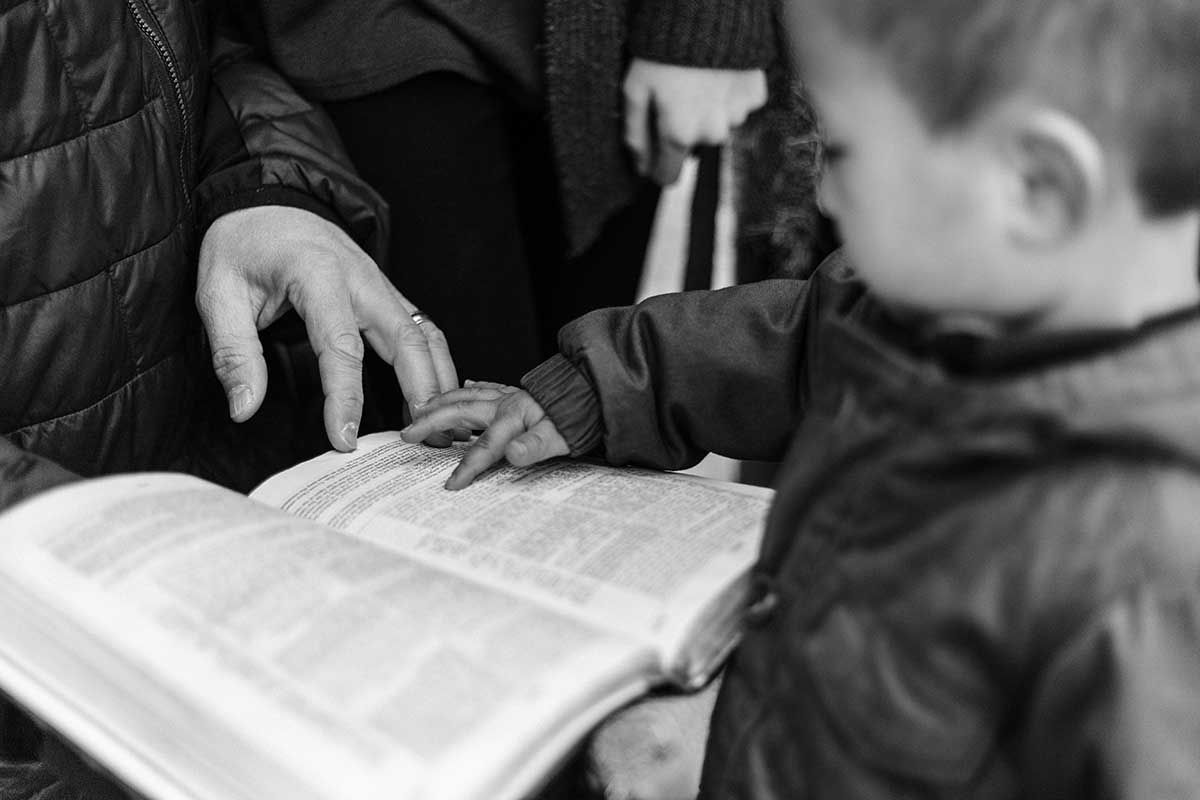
567,397
719,34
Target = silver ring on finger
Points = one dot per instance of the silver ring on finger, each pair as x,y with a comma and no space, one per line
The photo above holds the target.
420,317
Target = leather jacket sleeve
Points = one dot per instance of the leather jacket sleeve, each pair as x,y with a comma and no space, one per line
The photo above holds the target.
675,377
264,144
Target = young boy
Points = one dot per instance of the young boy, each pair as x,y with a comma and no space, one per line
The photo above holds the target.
980,576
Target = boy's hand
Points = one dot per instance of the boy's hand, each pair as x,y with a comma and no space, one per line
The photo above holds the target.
671,109
515,426
652,750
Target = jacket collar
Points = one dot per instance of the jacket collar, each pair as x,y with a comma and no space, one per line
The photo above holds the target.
1143,384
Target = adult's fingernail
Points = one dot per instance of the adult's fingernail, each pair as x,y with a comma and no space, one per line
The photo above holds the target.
241,397
350,434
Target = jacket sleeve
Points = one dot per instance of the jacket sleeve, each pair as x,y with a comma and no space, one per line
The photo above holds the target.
23,474
1117,712
677,376
720,34
262,144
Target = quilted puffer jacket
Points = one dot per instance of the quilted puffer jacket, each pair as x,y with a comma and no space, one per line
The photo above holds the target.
981,574
125,128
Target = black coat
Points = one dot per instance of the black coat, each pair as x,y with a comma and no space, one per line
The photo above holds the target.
125,128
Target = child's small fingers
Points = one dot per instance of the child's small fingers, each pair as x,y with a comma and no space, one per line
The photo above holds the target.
488,449
540,442
439,439
430,434
478,458
465,414
461,435
461,395
466,472
503,387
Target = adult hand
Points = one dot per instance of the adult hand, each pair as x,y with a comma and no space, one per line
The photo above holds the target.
670,109
515,426
257,263
652,750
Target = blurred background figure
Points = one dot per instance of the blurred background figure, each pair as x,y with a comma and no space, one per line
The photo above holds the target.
777,164
520,145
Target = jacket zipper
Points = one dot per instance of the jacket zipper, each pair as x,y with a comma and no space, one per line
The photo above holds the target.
147,23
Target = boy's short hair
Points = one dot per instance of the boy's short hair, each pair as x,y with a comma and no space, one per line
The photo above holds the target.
1129,69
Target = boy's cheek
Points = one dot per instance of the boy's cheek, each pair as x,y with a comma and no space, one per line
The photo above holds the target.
828,196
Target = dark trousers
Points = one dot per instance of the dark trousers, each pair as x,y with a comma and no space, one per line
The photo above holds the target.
476,225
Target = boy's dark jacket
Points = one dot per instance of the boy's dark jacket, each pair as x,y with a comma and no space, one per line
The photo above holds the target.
124,130
973,585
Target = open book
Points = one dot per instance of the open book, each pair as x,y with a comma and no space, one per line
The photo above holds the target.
356,631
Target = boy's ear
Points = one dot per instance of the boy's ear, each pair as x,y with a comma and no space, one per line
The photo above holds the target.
1059,167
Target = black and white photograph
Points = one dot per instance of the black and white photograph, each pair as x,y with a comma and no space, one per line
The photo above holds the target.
599,399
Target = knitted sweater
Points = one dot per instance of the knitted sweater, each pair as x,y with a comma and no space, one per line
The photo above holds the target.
585,56
586,45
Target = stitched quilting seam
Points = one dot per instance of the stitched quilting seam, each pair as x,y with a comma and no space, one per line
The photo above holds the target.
76,92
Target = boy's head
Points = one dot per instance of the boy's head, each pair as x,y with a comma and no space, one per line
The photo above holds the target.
1010,157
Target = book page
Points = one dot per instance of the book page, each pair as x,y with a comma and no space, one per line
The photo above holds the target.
636,549
260,655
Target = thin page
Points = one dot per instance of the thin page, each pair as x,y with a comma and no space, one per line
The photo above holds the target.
628,548
280,657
